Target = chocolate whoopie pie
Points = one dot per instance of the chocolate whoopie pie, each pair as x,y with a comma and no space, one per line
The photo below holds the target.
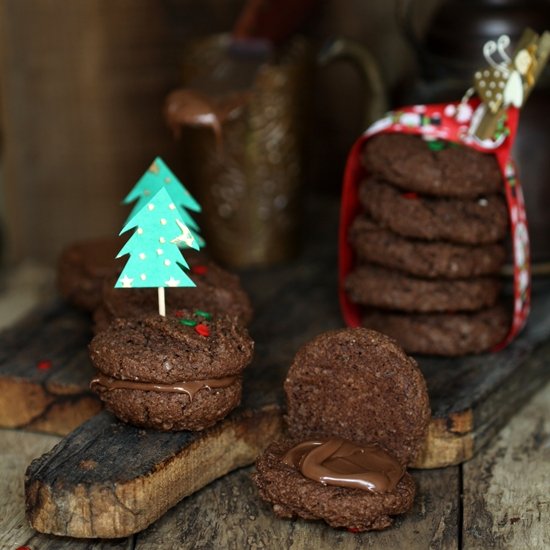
454,171
82,267
475,221
216,291
447,334
171,373
376,244
376,286
357,414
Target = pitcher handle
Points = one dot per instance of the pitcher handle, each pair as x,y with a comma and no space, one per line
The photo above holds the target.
360,56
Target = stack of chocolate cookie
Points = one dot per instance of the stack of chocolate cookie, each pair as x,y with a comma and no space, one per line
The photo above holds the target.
429,245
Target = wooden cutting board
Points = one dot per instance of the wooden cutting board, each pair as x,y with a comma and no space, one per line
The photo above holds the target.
106,479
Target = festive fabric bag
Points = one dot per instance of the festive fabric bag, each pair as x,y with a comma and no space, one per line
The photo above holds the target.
450,122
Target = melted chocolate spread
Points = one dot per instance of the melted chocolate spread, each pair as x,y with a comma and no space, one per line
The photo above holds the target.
190,388
345,464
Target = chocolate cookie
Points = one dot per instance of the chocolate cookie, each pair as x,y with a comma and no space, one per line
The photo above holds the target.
293,495
373,243
477,221
448,334
353,397
171,373
216,290
83,266
451,171
376,286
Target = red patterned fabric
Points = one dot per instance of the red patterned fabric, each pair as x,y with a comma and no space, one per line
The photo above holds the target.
449,122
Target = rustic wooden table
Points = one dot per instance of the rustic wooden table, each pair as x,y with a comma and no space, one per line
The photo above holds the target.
499,499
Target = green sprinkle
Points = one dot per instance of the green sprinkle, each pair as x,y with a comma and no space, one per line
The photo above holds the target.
436,145
188,322
202,313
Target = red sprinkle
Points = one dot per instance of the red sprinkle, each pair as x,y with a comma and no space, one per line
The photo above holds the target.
410,195
179,314
23,548
199,269
44,365
354,530
203,330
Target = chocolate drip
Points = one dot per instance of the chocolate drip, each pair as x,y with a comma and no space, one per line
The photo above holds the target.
190,388
345,464
186,107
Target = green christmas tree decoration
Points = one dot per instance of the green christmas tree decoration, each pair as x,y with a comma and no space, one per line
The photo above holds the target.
159,176
155,257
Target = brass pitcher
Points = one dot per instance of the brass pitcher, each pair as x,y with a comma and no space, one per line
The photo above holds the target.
249,179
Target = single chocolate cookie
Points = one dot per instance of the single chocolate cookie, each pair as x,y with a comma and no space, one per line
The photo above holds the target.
171,373
376,286
83,266
448,334
216,290
357,414
477,221
373,243
452,171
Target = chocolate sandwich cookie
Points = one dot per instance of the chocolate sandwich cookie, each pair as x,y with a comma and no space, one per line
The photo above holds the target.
448,170
293,494
376,286
171,373
83,266
376,244
357,415
216,290
448,334
478,221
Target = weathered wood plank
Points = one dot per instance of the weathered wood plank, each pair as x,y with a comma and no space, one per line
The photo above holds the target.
506,488
15,452
55,399
110,480
474,397
229,514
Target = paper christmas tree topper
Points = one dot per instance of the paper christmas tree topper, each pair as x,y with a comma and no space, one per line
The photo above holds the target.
155,259
162,226
157,177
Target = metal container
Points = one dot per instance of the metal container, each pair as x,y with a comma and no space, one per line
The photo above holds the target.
249,182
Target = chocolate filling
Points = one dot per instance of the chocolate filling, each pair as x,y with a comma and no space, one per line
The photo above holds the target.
343,463
190,388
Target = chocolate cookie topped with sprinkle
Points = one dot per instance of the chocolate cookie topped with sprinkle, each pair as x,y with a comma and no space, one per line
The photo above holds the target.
180,372
437,168
216,290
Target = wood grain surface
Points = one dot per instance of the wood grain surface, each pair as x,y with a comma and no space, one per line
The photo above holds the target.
505,504
506,488
45,371
229,514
